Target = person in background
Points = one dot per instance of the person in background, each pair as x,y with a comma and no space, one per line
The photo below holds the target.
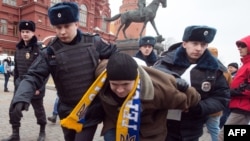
55,112
71,59
27,50
146,50
7,72
155,93
213,120
239,89
232,68
192,62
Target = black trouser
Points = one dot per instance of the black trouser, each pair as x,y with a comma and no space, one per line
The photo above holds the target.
39,111
93,117
177,133
87,134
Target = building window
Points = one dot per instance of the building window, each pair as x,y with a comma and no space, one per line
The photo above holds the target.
83,15
10,2
53,2
104,23
15,29
3,26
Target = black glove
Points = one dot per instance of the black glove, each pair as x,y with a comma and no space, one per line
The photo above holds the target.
195,110
19,107
182,85
235,92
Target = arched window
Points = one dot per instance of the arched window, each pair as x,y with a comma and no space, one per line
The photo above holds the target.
3,27
83,15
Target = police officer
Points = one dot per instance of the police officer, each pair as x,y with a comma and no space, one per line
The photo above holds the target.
71,59
27,50
146,50
7,72
191,60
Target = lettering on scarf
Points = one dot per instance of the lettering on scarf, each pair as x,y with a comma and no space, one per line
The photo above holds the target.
133,115
82,112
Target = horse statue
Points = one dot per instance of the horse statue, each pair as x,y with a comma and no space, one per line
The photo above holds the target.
149,13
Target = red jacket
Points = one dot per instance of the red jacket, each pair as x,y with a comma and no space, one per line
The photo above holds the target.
243,75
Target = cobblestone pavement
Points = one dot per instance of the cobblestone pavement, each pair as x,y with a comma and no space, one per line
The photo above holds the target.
29,129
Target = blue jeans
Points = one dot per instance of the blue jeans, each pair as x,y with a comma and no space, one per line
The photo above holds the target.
55,111
213,128
110,135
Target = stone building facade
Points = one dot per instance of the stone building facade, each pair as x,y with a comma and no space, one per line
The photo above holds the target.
92,13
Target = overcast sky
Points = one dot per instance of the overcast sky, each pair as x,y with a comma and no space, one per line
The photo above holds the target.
231,18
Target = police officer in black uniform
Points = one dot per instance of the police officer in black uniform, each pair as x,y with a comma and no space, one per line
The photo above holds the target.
27,50
71,59
146,50
190,60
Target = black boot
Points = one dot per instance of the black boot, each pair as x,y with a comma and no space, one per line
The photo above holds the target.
15,135
42,134
6,90
52,118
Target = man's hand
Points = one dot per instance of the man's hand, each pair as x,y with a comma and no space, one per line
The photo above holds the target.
182,85
19,107
37,92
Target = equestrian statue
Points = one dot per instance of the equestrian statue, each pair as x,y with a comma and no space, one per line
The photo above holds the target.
148,14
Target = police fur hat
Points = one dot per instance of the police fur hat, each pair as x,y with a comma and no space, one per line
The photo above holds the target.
121,66
199,33
27,25
63,13
147,40
235,65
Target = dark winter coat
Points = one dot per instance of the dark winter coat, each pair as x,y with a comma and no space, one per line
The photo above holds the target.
213,100
50,63
24,57
158,94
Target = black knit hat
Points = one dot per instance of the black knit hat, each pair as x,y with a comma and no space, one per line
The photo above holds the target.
121,66
27,25
235,65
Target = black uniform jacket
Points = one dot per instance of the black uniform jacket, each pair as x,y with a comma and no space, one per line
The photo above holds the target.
45,65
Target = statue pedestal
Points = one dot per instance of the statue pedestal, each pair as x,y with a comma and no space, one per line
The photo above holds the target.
128,46
131,46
